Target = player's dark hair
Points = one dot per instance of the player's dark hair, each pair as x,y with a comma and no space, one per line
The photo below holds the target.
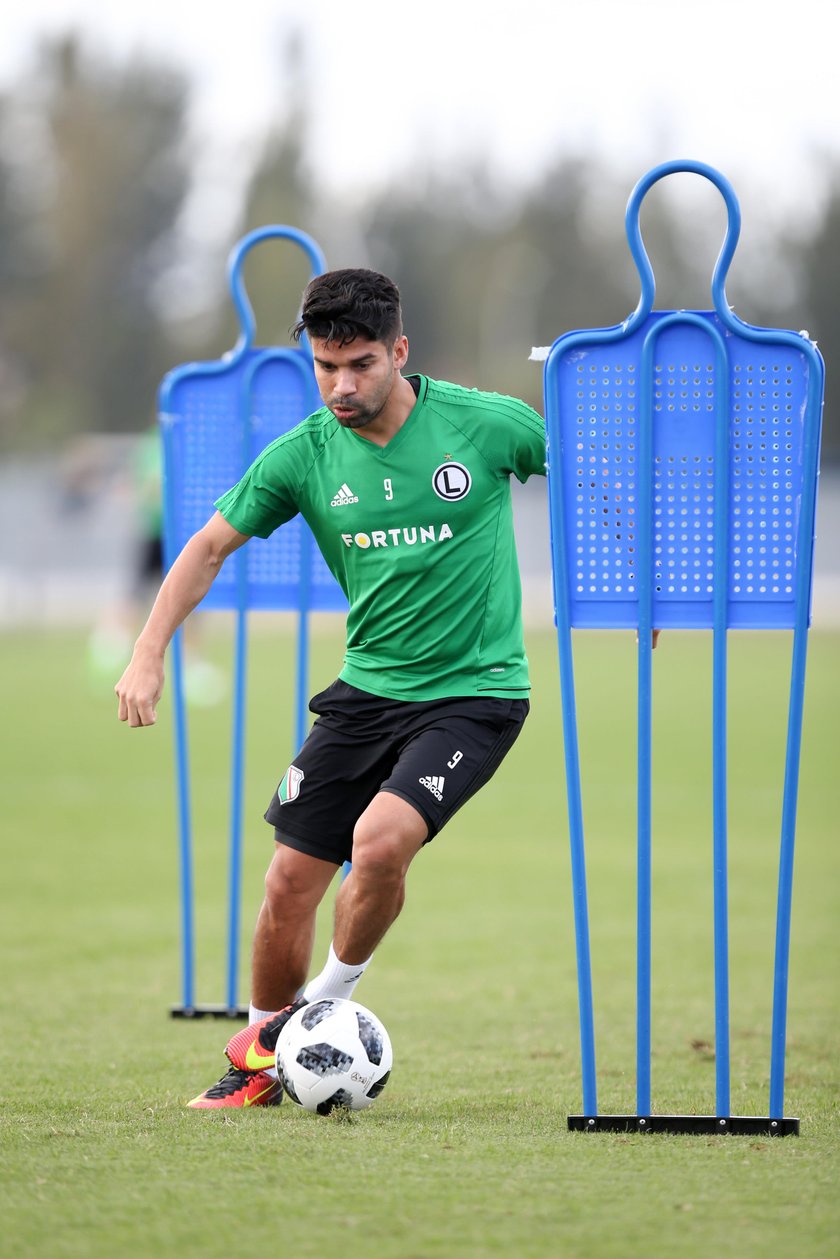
340,306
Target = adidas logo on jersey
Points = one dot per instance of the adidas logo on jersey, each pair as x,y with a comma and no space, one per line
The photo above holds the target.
434,784
344,497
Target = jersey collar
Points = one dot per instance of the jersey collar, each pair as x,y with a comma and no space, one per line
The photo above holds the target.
410,422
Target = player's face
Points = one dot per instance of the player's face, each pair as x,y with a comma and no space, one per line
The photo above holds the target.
356,380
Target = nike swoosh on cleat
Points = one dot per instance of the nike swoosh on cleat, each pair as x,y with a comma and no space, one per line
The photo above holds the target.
252,1101
256,1061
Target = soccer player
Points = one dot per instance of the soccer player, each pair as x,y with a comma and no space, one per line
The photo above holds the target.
405,483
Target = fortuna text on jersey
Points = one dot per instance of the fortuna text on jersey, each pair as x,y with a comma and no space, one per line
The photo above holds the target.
409,535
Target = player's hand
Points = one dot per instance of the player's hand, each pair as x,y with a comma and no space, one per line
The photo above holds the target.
139,690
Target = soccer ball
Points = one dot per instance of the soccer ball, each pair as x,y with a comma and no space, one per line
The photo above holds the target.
333,1053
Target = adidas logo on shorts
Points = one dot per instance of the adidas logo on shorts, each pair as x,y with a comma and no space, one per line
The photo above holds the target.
344,497
434,784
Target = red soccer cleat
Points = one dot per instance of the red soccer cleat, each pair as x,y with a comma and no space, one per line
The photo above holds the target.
253,1048
240,1088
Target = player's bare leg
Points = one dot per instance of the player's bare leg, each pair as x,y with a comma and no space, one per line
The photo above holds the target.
294,887
386,839
284,935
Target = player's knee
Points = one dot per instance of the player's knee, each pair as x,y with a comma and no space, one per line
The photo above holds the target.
379,853
286,885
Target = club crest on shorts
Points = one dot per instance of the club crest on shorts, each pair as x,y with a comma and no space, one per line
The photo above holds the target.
289,788
451,481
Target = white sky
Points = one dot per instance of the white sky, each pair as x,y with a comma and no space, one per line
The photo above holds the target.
750,86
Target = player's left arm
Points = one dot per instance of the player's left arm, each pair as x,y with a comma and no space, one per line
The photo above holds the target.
516,437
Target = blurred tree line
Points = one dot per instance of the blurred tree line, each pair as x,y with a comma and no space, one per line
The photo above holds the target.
97,267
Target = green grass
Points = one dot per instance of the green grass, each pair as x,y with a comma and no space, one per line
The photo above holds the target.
467,1152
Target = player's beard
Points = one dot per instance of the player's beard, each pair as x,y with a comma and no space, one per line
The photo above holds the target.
362,414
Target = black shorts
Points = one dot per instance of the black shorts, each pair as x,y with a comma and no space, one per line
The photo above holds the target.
435,754
148,565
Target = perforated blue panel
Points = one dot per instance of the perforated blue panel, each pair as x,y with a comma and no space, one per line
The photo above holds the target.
597,393
683,455
216,418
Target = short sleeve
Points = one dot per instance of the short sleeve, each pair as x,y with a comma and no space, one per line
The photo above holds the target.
268,494
513,438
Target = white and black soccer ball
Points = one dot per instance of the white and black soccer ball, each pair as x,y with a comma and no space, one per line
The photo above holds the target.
333,1053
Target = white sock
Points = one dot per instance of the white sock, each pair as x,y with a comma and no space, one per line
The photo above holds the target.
337,979
255,1015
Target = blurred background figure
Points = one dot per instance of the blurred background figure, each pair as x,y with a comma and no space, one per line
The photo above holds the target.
110,642
113,636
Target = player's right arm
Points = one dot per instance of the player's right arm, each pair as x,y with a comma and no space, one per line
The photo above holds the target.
185,585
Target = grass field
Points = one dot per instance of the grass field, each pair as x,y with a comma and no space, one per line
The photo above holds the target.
467,1152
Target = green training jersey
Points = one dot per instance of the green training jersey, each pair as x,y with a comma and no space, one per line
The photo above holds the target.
418,533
